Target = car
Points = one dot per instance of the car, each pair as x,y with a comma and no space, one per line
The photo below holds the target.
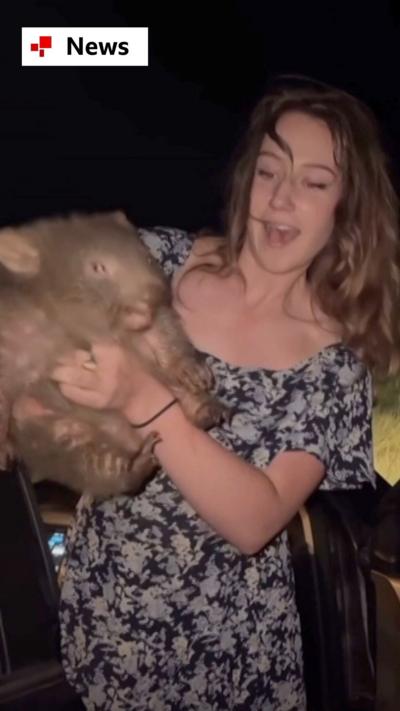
346,557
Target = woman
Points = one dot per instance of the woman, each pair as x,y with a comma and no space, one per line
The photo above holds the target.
182,597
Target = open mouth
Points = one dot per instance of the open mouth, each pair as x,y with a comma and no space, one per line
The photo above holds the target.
279,234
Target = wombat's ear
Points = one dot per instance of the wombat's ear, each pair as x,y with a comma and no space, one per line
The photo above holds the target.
120,217
16,254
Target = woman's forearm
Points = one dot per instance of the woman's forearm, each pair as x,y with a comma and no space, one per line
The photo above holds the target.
237,500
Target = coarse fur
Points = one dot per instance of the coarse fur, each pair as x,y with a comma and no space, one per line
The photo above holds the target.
66,283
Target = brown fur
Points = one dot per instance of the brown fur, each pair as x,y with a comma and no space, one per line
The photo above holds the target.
64,284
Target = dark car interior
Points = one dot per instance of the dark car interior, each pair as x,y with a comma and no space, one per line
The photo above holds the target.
346,554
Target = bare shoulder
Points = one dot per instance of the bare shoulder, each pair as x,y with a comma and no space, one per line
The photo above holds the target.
197,286
204,250
205,245
307,329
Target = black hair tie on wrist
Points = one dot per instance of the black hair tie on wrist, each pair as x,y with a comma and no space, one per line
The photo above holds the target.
148,422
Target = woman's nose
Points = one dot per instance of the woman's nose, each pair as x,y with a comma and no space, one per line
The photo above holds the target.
282,196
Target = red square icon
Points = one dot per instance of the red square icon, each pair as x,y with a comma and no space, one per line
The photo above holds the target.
45,42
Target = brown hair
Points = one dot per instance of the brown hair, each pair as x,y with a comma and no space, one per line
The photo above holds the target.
355,279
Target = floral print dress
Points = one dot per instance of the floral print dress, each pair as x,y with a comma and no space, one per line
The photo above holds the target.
158,612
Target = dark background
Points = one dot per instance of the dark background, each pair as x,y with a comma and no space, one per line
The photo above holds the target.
156,141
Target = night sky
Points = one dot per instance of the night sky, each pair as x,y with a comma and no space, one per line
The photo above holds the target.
156,141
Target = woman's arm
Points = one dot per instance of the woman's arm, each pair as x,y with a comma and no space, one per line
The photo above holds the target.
243,504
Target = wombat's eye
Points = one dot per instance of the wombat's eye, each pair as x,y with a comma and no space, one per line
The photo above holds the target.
98,268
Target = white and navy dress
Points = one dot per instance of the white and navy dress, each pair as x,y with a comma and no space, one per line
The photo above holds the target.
158,612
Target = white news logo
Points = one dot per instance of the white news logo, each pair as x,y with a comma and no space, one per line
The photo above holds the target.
84,47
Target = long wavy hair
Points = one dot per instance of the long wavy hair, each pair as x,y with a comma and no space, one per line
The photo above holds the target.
355,278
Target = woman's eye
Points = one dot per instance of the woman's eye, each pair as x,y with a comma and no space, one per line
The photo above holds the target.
265,173
316,186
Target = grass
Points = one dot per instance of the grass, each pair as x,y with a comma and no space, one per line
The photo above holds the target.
386,430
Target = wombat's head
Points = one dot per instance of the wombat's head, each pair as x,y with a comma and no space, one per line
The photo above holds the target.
92,258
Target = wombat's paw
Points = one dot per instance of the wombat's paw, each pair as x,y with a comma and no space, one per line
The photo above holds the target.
145,460
193,374
142,465
103,465
108,472
149,443
211,412
70,433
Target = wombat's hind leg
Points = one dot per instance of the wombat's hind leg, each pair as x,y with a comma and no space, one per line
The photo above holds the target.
203,410
109,472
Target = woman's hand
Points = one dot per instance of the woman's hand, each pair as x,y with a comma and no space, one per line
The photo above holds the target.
109,377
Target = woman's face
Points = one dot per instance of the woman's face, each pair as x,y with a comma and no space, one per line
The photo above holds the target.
293,200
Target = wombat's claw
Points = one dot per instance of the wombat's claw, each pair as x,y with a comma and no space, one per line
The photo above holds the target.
150,442
110,467
226,414
97,463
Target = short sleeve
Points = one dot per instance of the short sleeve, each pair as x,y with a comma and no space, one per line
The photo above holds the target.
168,245
335,425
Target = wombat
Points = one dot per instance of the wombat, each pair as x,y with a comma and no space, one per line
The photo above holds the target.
65,283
